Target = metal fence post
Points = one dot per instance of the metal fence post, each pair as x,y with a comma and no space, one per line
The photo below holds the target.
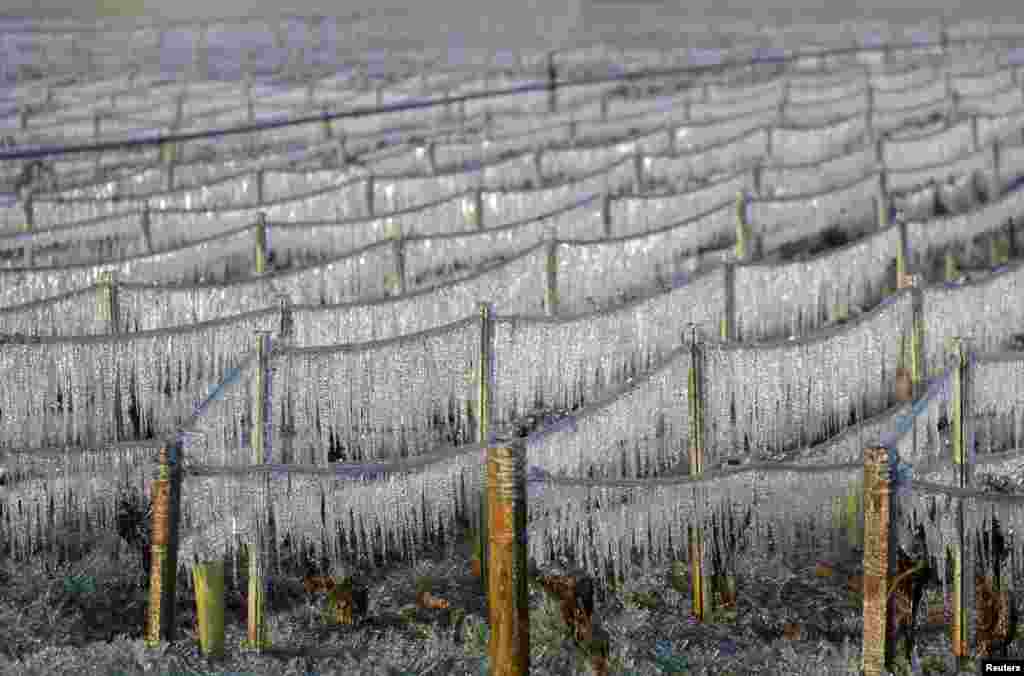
509,609
879,559
166,502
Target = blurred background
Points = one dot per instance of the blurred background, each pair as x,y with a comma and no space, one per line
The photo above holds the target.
524,23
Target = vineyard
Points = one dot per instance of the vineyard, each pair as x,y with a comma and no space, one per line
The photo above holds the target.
743,325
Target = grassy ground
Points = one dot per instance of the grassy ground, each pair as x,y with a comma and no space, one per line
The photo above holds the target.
799,614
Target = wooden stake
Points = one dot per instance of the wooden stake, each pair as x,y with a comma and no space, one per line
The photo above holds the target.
28,207
744,237
397,284
478,207
509,647
638,172
606,213
951,271
551,293
166,502
484,381
261,243
995,190
144,225
879,559
208,580
869,112
728,329
106,301
258,637
882,200
552,87
963,628
699,580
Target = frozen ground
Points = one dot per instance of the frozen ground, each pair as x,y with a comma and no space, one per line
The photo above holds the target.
64,629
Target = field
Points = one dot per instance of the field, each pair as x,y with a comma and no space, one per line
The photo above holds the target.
81,608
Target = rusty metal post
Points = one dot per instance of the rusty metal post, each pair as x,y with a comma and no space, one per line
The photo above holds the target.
879,559
166,502
509,647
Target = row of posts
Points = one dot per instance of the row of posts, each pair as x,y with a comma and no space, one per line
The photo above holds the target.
502,528
167,494
169,159
504,531
98,116
747,248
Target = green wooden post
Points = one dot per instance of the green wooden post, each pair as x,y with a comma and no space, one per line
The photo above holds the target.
951,269
882,201
484,378
29,209
145,226
478,207
432,157
995,190
606,213
746,242
963,631
699,579
208,581
638,172
261,243
395,281
257,636
728,328
917,365
551,266
869,110
370,196
167,154
107,301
